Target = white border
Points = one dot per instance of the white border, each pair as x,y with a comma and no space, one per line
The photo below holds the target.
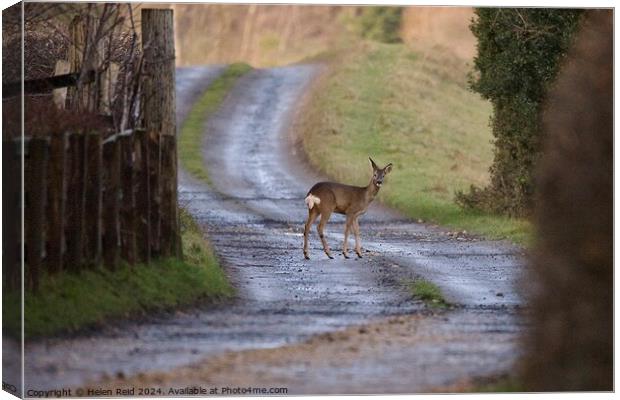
462,3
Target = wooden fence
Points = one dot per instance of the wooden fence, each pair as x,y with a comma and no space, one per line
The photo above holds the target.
91,202
98,198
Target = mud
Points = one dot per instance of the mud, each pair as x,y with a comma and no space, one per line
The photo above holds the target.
253,214
405,354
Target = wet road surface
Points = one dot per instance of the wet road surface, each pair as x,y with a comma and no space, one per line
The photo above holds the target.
253,214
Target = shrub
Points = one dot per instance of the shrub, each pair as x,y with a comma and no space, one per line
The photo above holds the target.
519,52
570,289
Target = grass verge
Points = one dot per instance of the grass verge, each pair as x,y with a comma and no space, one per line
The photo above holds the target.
412,108
69,301
429,293
502,384
190,139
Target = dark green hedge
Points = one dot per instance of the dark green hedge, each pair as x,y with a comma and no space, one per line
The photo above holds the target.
519,54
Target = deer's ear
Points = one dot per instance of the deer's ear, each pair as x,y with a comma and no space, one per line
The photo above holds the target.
388,168
372,163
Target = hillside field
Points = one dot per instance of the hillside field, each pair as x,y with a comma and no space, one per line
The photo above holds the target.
411,107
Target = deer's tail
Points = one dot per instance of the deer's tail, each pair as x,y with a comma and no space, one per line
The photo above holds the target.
311,200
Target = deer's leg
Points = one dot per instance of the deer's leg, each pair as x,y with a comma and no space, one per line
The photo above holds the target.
356,231
321,227
345,245
312,214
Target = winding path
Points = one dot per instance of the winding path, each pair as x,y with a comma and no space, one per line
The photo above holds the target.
253,214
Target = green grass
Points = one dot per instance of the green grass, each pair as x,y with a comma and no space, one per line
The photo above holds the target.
503,384
429,293
190,139
67,301
413,109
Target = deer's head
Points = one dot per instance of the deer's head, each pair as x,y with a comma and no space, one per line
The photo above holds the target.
378,174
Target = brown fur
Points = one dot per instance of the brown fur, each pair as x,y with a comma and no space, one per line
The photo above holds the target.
351,201
570,282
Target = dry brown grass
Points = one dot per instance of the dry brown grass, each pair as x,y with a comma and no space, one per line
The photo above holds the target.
269,35
444,28
261,35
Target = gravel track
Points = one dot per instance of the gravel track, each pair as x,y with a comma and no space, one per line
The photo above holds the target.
253,214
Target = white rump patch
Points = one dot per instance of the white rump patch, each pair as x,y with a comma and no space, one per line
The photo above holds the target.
311,200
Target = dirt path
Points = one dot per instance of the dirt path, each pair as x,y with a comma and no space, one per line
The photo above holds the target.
253,215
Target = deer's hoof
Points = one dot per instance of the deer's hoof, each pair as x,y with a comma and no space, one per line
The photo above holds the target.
306,256
345,255
330,256
359,255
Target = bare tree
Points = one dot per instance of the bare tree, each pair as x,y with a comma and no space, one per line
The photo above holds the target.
101,44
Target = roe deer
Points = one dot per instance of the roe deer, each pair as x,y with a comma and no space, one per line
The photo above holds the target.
327,197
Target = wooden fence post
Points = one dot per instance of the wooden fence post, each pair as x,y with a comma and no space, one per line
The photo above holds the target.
111,204
75,203
158,101
35,165
143,196
77,33
108,85
57,192
170,226
85,55
93,198
128,203
11,211
60,95
154,174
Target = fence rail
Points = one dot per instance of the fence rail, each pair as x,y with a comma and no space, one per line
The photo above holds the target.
44,85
